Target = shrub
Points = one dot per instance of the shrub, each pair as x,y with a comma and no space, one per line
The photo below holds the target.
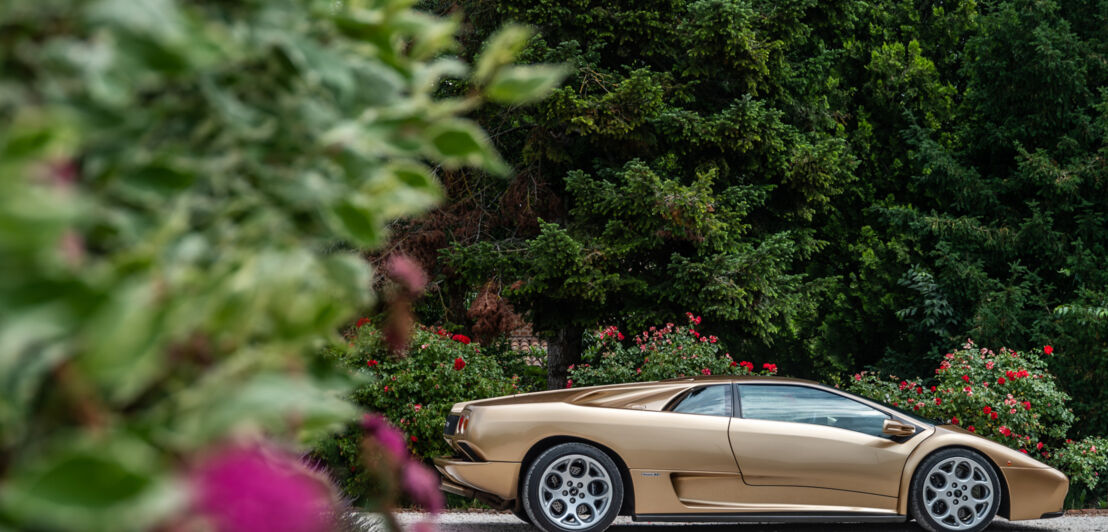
1006,396
654,354
186,192
414,392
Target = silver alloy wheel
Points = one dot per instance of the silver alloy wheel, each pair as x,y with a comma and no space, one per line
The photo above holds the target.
958,493
575,491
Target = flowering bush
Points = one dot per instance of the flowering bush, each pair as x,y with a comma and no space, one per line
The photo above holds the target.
1006,396
655,354
414,391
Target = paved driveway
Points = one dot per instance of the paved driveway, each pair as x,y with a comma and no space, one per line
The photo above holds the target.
495,522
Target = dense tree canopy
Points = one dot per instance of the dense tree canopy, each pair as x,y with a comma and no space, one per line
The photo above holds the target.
845,183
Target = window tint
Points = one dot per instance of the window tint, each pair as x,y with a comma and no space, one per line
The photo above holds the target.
800,404
709,400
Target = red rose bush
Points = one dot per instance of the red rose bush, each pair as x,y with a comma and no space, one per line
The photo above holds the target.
413,391
660,352
1006,396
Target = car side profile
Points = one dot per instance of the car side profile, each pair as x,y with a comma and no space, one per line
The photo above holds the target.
733,449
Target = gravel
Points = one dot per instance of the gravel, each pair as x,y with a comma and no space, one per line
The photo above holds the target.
504,522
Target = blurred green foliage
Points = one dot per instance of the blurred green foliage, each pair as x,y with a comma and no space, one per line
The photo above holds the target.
183,190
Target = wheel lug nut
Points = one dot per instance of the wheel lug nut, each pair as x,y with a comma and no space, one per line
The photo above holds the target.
964,498
572,500
948,494
564,492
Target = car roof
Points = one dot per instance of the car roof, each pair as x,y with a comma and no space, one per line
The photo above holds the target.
741,378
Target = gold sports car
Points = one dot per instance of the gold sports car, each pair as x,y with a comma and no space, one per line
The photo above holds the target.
733,449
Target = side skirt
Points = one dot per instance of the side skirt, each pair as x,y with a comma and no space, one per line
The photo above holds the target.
844,517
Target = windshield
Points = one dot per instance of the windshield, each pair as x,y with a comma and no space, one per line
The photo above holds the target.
908,413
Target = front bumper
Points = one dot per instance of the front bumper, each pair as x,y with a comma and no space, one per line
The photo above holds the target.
471,479
1035,492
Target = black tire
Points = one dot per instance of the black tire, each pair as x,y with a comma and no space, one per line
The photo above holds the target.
950,491
577,461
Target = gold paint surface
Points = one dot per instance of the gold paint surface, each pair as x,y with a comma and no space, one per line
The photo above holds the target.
497,478
688,463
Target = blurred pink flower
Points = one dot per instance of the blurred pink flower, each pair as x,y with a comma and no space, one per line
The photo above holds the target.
252,489
423,487
377,427
423,526
405,270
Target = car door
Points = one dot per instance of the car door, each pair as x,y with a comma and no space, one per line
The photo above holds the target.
680,457
808,436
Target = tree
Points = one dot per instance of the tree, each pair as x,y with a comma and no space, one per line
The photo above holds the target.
691,174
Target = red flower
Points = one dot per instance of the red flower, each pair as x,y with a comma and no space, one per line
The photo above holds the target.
459,364
1024,451
938,400
932,388
748,365
971,429
903,384
1048,350
361,321
954,420
1010,374
987,409
772,368
706,371
965,378
371,363
569,383
1027,405
1005,431
460,338
733,363
414,439
994,415
1000,380
1023,373
1039,446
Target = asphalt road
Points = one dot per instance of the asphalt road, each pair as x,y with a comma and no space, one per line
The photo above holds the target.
496,522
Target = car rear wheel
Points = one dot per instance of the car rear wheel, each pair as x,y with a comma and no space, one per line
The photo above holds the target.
572,487
955,490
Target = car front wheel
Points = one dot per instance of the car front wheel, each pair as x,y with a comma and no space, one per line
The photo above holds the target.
572,487
955,490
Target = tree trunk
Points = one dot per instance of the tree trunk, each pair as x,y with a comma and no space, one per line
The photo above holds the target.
563,350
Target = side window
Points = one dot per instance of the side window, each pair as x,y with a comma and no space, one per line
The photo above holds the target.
801,404
709,400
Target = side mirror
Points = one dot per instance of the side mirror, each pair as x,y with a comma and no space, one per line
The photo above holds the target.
893,427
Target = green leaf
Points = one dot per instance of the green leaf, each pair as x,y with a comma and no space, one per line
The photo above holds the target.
355,221
122,356
110,483
462,143
267,401
525,84
501,49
